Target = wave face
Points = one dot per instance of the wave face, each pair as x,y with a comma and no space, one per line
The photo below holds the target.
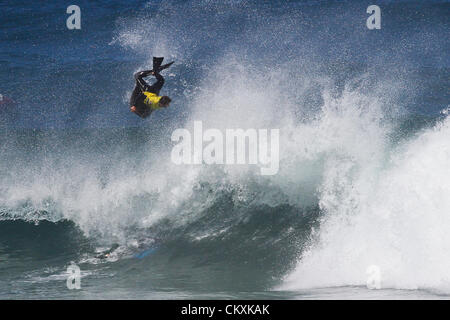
364,153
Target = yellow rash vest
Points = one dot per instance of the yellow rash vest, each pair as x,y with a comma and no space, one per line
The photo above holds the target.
152,100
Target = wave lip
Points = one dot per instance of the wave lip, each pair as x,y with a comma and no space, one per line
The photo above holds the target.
395,218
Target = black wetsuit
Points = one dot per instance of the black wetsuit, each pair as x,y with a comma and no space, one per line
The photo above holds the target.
137,97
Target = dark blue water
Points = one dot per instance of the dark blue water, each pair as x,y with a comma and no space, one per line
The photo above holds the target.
363,180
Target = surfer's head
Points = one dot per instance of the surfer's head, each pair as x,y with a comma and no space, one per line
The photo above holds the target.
164,101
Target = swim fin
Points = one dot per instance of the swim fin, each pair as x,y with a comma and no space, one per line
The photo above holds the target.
165,66
157,63
157,67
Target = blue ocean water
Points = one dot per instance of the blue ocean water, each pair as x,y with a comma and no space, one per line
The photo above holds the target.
364,138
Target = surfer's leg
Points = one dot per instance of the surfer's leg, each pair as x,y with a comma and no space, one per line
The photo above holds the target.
140,82
156,87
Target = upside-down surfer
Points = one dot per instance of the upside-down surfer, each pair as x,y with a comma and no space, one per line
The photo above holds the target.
145,98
